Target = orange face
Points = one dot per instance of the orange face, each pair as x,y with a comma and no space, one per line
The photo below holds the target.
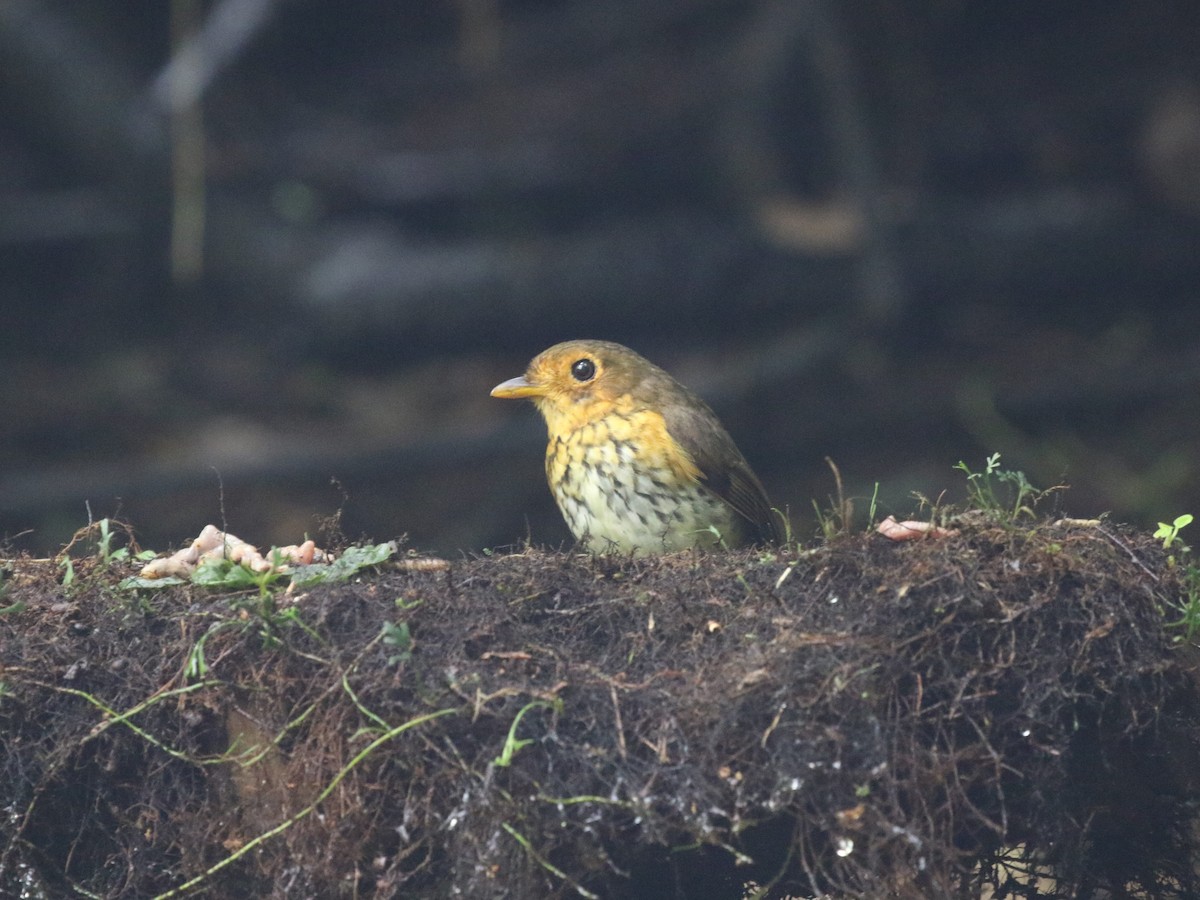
577,382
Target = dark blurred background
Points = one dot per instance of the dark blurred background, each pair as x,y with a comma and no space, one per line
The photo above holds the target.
264,259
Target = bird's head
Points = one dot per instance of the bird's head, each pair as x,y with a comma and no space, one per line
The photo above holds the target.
577,381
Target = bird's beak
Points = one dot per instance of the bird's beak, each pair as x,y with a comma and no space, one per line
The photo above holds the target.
516,388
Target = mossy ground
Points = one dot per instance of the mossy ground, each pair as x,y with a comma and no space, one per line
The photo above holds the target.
865,718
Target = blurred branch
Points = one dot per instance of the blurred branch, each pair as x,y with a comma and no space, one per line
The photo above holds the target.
198,55
187,158
197,60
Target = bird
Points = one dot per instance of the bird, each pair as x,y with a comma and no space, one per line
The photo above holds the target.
637,463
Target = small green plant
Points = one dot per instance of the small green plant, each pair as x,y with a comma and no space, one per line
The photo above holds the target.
512,743
104,549
68,567
546,864
102,533
1169,532
825,523
839,518
255,599
1000,491
197,667
106,531
715,532
272,620
874,508
398,639
228,575
787,525
1189,606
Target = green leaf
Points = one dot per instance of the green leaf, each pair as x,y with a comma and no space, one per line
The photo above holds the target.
397,637
223,573
512,744
354,560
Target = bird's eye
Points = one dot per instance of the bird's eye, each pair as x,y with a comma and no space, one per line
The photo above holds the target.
583,369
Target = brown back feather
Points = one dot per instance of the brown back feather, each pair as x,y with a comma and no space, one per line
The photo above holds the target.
725,471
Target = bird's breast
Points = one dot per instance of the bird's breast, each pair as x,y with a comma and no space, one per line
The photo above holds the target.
622,483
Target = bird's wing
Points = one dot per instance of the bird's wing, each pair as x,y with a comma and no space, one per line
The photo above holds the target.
723,469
